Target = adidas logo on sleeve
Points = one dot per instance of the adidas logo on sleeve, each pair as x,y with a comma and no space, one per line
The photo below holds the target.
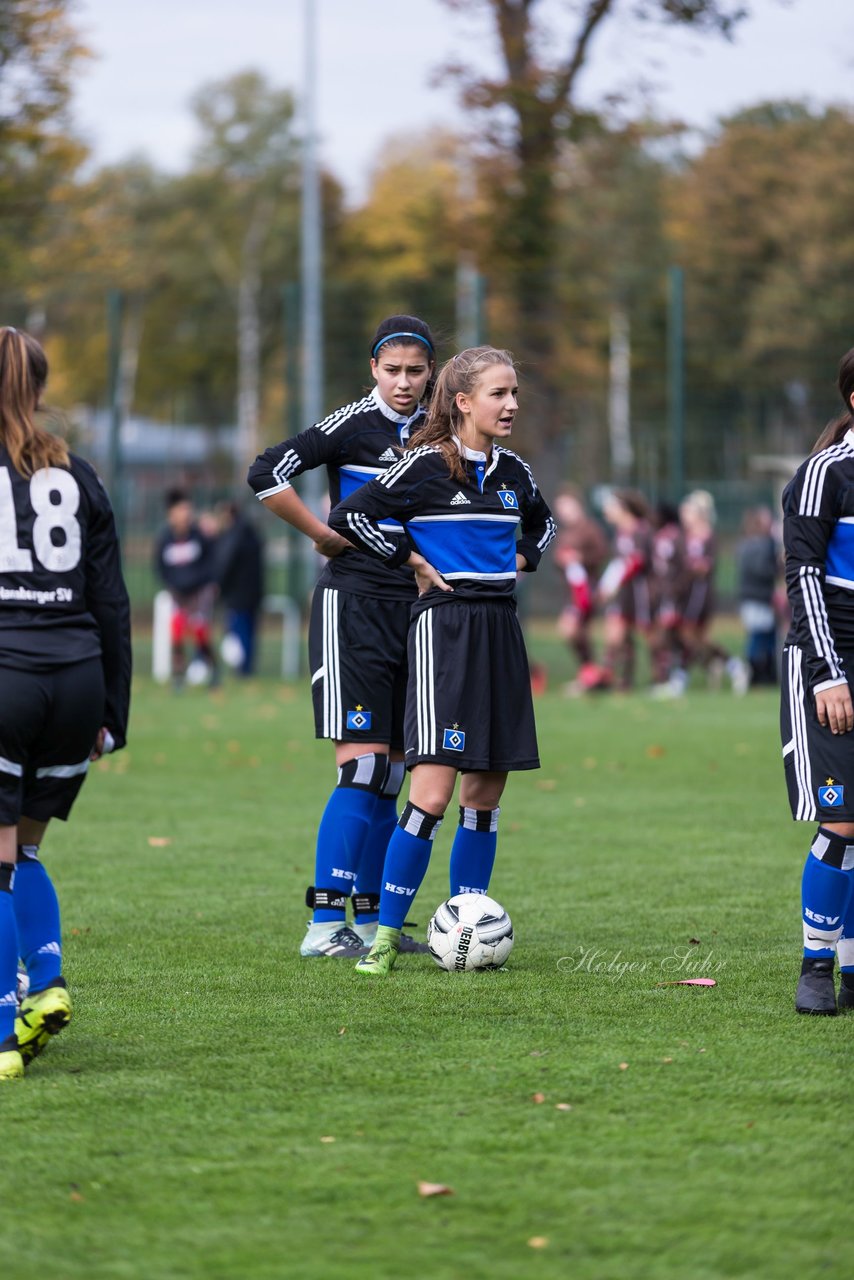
460,500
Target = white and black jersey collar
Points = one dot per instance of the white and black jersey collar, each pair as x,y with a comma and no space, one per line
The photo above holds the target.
402,423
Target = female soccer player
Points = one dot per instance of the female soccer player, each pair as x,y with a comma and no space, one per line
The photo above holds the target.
357,634
697,514
817,716
461,498
65,663
624,586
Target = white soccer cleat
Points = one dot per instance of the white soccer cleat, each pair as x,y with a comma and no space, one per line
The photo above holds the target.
333,939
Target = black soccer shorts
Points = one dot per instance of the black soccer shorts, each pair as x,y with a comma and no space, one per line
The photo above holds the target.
357,654
49,721
819,764
469,701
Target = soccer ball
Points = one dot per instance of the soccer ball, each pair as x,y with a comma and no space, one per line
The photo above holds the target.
198,672
232,650
470,931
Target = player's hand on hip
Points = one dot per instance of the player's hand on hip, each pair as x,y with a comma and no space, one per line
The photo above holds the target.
835,709
425,575
104,744
332,544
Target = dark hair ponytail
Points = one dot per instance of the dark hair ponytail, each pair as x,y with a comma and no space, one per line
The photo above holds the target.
835,430
23,374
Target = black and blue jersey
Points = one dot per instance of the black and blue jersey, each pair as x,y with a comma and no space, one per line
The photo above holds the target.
63,598
818,534
470,532
356,443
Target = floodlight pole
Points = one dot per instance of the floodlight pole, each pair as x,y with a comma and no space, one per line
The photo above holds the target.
311,250
676,380
115,316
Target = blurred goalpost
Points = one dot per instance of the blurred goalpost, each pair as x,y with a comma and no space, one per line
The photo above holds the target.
284,606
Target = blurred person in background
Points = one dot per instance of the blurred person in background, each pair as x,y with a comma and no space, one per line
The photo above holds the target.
624,588
239,555
357,634
667,577
697,514
65,666
758,565
185,562
581,550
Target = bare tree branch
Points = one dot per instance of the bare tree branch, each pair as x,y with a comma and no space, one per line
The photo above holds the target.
565,82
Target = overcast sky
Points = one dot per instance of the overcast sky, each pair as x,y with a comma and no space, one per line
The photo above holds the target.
376,60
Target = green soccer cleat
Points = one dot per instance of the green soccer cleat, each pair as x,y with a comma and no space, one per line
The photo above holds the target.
408,944
42,1014
379,961
11,1062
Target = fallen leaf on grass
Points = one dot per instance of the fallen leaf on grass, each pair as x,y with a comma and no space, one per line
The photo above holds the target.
624,1066
538,1053
342,1031
655,752
666,1059
563,1106
538,1242
75,1194
688,982
159,842
694,942
538,1097
434,1189
327,1138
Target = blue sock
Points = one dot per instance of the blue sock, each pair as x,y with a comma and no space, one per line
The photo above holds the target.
37,918
473,850
341,835
369,877
825,892
406,863
845,945
8,953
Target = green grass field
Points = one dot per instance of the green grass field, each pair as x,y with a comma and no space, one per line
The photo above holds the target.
219,1108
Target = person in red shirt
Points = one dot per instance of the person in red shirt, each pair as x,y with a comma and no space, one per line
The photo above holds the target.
581,551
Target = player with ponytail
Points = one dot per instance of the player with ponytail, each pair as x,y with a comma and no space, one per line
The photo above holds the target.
473,518
65,663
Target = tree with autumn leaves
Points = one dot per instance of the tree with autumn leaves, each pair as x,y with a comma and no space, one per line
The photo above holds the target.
569,215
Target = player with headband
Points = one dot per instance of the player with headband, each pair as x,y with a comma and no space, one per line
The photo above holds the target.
357,633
